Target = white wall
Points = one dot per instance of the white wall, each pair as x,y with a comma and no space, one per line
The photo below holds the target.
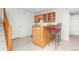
74,25
21,22
63,16
0,14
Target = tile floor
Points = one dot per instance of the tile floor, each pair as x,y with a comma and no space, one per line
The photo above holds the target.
25,44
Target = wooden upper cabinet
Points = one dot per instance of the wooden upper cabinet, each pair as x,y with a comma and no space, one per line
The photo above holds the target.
37,18
53,16
46,17
49,17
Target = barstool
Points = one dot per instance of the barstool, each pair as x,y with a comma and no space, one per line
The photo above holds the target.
55,30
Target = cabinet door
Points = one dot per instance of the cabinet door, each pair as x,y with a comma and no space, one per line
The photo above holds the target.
46,35
37,18
53,16
49,17
36,35
45,17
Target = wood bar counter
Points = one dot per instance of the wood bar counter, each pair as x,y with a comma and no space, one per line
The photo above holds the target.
40,35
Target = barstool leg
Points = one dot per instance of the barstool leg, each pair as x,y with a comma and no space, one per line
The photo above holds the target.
56,40
59,38
55,44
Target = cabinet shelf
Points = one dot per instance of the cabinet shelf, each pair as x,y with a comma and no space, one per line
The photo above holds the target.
47,17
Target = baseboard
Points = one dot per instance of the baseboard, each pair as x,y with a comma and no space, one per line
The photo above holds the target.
22,37
74,35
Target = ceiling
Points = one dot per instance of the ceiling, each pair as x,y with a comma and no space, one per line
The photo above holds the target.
73,11
38,10
0,14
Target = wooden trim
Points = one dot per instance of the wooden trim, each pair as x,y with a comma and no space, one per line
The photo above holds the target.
7,31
